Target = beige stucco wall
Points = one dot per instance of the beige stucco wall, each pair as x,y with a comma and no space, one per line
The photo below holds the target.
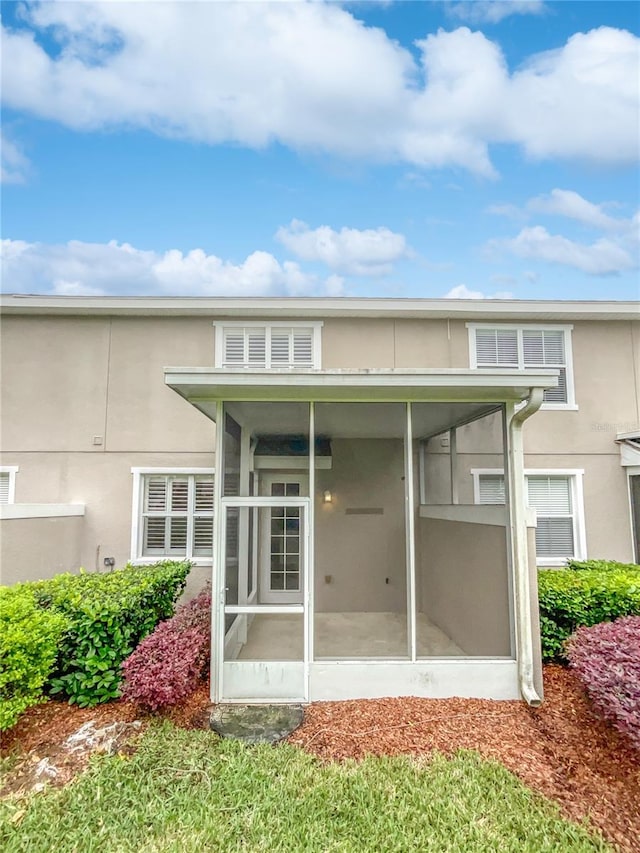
38,548
67,383
361,552
463,583
103,482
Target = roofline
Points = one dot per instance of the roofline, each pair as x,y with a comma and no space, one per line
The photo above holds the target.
318,307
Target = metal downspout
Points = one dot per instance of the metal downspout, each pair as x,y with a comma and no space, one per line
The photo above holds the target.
520,548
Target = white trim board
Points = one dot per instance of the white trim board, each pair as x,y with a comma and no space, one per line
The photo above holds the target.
41,510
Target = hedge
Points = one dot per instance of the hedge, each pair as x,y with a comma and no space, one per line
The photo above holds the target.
105,616
582,595
601,565
29,639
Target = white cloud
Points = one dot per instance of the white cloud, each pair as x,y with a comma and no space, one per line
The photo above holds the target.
614,253
78,268
15,165
254,74
584,96
603,257
494,11
511,211
368,252
461,291
572,205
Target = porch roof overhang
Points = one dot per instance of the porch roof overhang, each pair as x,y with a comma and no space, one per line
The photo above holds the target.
484,390
629,443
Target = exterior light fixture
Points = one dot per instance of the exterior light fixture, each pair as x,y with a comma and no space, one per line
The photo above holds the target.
327,497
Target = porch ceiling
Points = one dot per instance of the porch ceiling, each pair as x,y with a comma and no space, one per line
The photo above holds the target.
354,420
481,390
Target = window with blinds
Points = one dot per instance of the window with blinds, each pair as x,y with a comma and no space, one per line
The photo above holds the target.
267,346
525,347
177,515
7,483
553,498
4,487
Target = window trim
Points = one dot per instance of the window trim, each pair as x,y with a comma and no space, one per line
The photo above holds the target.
137,526
314,325
576,476
11,470
567,329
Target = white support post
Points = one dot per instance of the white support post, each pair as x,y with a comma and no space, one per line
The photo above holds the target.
409,503
309,618
243,528
453,464
217,569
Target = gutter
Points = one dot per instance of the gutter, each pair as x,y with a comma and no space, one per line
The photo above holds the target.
524,642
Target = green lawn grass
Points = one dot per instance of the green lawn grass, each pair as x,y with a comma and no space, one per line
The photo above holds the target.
188,791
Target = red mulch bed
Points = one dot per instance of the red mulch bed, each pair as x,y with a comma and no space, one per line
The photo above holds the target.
560,749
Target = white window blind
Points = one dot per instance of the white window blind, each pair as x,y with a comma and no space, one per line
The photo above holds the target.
497,348
177,515
5,482
267,346
545,348
552,496
491,489
525,348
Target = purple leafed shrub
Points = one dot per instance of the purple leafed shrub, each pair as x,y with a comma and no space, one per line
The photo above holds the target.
606,659
169,664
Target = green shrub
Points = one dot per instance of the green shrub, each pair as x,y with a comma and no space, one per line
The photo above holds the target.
601,565
29,639
574,597
106,616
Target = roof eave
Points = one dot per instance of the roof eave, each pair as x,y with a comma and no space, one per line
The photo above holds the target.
320,307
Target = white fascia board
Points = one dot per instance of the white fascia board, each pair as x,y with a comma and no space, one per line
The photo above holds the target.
322,307
41,510
460,384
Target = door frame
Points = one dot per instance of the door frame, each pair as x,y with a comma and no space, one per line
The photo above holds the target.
265,595
245,674
633,471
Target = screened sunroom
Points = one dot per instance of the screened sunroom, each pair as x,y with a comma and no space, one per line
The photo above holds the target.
350,559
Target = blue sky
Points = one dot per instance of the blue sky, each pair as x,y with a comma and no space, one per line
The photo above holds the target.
472,149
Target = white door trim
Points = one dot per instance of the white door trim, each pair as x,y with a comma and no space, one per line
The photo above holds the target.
266,595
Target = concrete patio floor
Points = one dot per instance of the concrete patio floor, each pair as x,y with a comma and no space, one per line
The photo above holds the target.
344,635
